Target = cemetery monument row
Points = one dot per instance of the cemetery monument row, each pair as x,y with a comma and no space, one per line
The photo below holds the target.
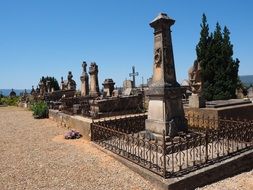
165,111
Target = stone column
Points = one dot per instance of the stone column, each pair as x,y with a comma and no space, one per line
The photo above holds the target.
108,87
165,111
84,81
94,87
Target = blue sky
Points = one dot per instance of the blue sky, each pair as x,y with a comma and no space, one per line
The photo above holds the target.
51,37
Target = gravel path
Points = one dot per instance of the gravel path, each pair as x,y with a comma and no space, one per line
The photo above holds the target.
242,181
34,155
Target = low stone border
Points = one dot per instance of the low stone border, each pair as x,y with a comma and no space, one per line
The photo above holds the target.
80,124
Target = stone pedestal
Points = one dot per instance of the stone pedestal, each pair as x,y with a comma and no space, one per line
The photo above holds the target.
196,101
165,111
84,81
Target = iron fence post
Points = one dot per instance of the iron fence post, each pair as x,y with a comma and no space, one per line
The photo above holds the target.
164,155
206,144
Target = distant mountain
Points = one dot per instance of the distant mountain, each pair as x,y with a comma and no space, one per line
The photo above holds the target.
247,80
6,92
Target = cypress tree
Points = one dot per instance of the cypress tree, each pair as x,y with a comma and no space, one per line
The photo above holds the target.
219,71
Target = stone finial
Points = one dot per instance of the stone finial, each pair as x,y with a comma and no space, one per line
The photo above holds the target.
84,65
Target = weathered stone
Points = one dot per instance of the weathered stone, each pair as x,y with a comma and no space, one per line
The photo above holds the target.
196,101
127,84
165,111
94,87
108,87
116,106
195,82
69,84
84,81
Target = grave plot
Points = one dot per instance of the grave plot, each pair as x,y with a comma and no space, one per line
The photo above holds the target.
170,157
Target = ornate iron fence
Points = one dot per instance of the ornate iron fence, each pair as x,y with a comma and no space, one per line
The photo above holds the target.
173,156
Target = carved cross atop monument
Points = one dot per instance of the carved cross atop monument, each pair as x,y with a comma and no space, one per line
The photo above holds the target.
165,111
133,74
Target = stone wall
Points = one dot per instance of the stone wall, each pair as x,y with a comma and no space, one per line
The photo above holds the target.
205,117
81,124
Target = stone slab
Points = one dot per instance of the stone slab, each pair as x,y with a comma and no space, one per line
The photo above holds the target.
226,103
243,111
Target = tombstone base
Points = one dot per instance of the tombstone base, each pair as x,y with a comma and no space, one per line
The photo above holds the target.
157,127
196,101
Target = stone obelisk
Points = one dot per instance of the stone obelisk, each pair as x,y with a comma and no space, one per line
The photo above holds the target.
94,88
84,81
165,111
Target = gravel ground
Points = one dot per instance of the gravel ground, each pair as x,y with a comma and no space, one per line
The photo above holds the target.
242,181
34,155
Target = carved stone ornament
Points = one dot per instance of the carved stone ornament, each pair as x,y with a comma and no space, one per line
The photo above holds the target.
158,57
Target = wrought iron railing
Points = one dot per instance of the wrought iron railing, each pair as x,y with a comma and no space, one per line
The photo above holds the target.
173,156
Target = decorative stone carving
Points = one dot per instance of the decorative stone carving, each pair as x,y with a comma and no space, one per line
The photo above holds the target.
195,83
195,78
158,57
71,83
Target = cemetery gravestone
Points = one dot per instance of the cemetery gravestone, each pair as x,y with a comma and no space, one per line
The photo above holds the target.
165,111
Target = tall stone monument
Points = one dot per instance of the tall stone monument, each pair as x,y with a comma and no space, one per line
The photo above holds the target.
94,87
165,111
84,81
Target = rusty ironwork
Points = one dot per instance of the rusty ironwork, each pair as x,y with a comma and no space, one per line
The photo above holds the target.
176,156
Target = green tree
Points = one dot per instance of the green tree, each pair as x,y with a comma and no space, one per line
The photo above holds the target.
54,83
219,71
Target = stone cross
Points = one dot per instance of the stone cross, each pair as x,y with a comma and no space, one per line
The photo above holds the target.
133,74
